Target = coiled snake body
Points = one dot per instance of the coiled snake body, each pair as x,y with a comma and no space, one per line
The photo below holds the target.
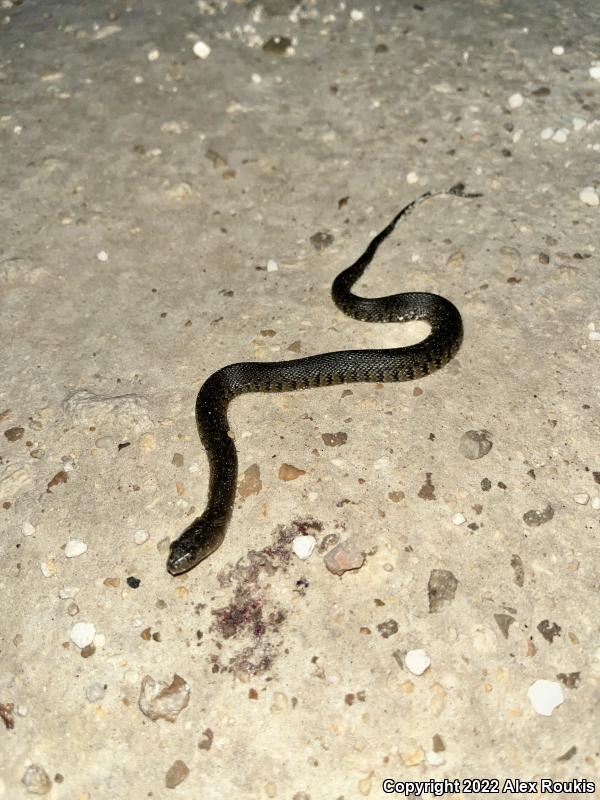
206,532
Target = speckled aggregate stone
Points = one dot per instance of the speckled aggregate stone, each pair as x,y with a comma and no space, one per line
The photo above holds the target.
181,184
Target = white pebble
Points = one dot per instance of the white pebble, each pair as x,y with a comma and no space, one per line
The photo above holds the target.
74,548
558,50
82,634
141,536
412,177
102,255
578,123
434,759
201,49
48,568
99,640
560,136
153,55
582,499
545,696
356,15
594,336
417,661
68,592
256,79
458,518
515,100
547,133
596,502
595,72
272,265
589,196
303,546
27,529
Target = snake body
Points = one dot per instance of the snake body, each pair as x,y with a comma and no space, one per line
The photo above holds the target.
206,533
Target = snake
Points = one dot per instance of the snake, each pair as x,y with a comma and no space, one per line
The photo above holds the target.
206,533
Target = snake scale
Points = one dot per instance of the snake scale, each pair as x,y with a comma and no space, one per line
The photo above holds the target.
206,533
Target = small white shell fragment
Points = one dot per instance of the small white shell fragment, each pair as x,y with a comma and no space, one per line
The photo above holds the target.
303,546
68,592
595,72
582,499
27,529
547,133
102,255
589,196
596,502
356,15
417,661
82,634
560,136
272,265
140,536
578,123
516,100
201,49
154,55
594,336
458,518
558,50
48,568
412,177
545,696
434,759
74,548
256,79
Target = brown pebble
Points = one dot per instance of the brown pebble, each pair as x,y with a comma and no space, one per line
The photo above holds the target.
517,565
206,742
14,434
251,482
344,557
334,439
549,630
388,628
535,518
441,589
177,773
504,621
277,45
287,472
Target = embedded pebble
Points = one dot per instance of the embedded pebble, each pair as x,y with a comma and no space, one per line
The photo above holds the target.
417,661
303,546
545,696
560,136
343,557
140,536
74,548
578,123
68,592
256,79
176,774
515,100
82,634
102,255
356,15
441,589
434,759
596,502
48,568
595,72
558,50
287,472
412,177
272,265
594,336
95,692
458,518
475,444
201,49
589,196
35,780
27,529
159,700
154,55
582,499
547,133
105,442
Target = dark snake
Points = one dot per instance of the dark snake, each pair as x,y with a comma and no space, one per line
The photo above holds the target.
206,532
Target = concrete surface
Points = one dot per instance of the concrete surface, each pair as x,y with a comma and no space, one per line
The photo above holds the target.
166,210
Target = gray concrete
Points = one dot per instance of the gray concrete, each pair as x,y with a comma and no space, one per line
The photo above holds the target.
142,201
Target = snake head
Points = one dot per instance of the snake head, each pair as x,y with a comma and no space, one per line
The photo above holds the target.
196,543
